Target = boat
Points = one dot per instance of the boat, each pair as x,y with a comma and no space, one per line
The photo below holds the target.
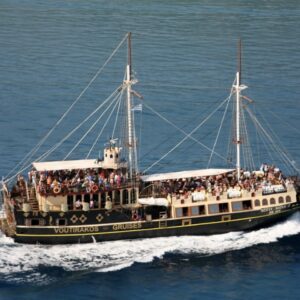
107,198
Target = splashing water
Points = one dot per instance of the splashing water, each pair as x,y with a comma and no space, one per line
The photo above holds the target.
21,263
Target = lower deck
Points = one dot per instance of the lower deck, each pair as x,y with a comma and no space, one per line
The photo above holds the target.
204,225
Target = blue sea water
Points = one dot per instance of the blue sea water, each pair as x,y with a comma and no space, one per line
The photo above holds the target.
184,56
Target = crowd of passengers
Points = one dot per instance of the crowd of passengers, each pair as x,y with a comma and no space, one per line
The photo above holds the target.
85,180
266,178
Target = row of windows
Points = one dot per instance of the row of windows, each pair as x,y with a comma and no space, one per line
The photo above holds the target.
273,201
190,211
42,222
224,207
100,198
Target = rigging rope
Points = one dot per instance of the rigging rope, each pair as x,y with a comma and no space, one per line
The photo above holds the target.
187,135
93,125
48,152
78,126
107,120
219,130
288,162
182,131
29,155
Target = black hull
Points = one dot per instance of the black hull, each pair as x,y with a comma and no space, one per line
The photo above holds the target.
218,224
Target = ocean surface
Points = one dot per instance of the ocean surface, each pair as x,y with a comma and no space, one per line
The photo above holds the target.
184,56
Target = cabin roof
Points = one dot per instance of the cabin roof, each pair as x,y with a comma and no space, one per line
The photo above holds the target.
184,174
73,165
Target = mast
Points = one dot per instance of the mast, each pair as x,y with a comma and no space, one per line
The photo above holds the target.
129,108
238,89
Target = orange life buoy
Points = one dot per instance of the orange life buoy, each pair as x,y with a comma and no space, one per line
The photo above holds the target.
94,188
56,190
135,217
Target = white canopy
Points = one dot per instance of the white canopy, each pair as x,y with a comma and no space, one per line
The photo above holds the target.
184,174
154,201
67,165
75,165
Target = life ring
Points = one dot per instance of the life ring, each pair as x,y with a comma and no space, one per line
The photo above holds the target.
135,217
56,190
94,188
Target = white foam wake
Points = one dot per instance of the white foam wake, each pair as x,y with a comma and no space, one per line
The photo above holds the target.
111,256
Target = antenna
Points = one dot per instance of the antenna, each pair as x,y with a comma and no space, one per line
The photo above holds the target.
239,58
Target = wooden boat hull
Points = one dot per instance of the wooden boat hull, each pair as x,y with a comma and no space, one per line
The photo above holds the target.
208,225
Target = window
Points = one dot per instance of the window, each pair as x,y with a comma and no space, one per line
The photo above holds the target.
272,201
265,202
236,206
185,211
70,201
195,210
179,212
226,218
202,210
61,222
35,222
213,208
288,199
223,207
257,202
247,205
111,156
186,222
280,199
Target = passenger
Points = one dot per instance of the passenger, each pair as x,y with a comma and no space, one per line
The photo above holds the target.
78,204
91,203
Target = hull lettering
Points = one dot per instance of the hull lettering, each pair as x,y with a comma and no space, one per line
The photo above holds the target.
66,230
127,226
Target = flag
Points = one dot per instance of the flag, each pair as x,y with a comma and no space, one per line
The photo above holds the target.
138,107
